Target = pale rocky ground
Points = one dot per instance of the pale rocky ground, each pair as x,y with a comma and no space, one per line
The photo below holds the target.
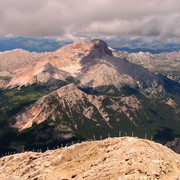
125,158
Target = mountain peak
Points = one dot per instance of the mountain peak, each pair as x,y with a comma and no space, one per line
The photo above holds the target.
98,42
99,48
95,48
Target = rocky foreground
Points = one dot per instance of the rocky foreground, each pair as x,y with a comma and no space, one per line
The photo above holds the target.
125,158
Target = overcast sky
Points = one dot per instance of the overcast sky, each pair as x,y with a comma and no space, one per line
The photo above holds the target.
69,19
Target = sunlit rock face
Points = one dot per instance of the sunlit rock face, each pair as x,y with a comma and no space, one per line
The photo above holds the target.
91,63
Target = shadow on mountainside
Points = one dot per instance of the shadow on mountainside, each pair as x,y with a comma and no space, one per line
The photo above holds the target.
165,135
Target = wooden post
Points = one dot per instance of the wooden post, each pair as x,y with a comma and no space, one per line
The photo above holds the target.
132,134
108,135
151,138
100,137
94,137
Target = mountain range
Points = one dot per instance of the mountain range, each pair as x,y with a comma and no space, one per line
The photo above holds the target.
85,90
120,43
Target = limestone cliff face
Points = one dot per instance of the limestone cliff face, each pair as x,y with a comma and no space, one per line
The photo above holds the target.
91,63
42,71
166,63
18,60
125,158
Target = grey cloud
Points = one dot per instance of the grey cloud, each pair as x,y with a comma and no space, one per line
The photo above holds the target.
71,18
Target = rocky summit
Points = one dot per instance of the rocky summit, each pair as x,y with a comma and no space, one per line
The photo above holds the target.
126,158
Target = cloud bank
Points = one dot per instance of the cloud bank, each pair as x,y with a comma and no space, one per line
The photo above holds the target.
87,18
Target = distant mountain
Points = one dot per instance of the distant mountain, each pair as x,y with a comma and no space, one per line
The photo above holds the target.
167,64
91,64
156,50
82,90
135,45
30,44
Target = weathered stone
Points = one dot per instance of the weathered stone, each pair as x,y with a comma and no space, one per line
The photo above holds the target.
125,158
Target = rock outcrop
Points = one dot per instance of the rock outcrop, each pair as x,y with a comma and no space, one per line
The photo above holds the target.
165,63
18,60
125,158
174,145
69,100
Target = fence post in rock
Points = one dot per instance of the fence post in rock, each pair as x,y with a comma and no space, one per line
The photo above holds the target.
108,135
94,137
100,137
